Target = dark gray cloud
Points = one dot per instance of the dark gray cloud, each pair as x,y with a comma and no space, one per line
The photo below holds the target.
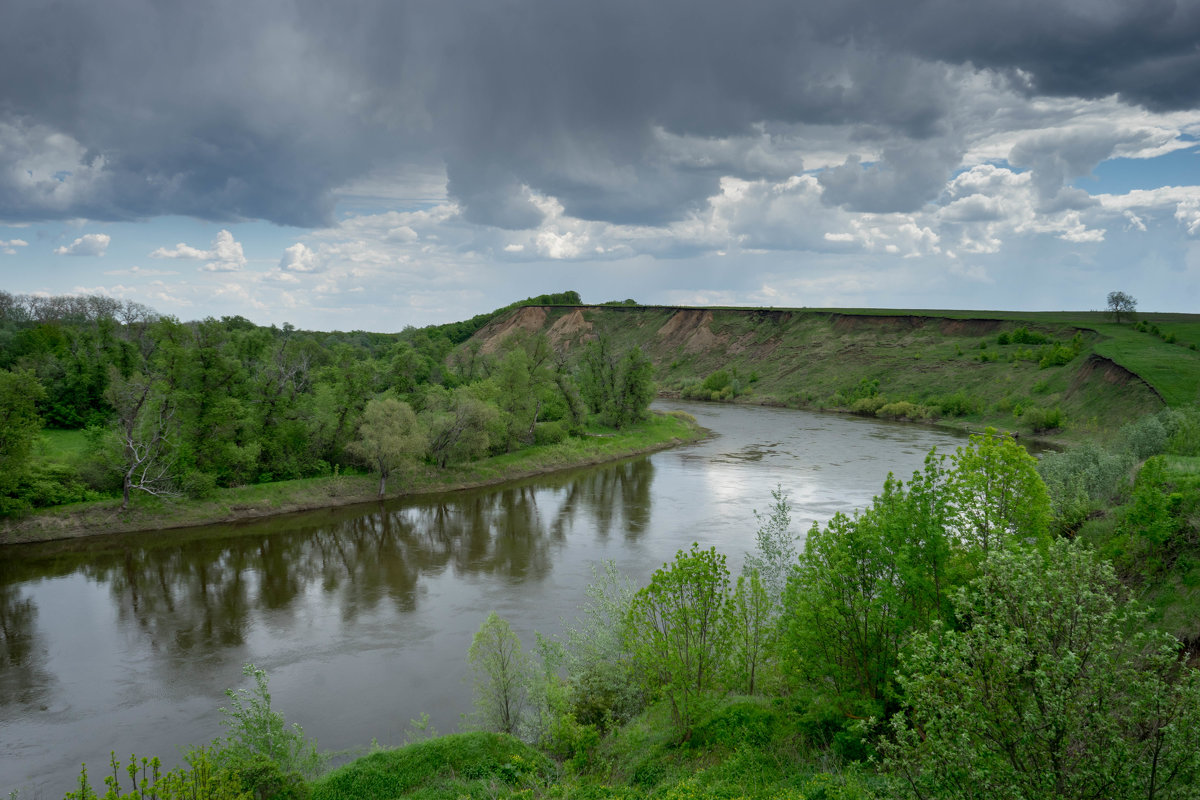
230,110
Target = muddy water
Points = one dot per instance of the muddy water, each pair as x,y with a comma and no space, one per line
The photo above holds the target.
362,617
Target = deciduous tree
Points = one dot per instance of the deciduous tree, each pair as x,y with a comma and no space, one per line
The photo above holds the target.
677,632
501,675
1121,303
388,436
1050,688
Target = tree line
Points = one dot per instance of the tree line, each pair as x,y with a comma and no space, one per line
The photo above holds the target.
184,408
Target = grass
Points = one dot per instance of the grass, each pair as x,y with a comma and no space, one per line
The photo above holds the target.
817,358
745,748
266,499
61,446
465,765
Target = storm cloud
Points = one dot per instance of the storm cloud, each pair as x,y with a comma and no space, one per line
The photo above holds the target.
623,111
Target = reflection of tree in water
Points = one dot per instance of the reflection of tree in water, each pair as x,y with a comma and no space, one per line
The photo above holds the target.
23,676
500,533
363,560
192,596
619,492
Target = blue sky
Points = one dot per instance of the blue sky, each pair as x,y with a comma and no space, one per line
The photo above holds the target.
407,163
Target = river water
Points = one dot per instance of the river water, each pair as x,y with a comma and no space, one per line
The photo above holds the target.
362,616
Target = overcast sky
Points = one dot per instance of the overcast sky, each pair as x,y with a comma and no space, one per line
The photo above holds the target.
380,163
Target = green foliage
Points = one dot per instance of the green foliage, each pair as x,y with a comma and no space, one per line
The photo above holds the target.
388,437
676,631
997,493
1082,480
958,404
1047,690
1044,420
750,616
616,387
257,733
774,555
476,765
605,687
501,676
20,393
901,409
462,430
199,777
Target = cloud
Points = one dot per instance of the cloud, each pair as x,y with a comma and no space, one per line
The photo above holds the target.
9,247
90,244
299,258
225,254
141,271
629,113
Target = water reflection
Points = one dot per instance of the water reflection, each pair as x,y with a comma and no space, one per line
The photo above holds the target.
195,595
24,678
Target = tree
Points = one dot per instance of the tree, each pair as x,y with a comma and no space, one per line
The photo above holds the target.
461,432
1050,688
750,630
677,632
1120,303
997,493
256,731
502,673
19,426
617,388
144,426
841,628
388,437
775,553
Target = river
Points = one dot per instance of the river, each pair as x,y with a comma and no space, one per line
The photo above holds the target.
362,616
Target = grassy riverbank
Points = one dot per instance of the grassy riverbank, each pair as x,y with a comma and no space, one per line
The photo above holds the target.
267,499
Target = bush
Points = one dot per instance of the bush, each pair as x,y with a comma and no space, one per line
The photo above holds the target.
198,485
902,410
868,406
1145,437
549,433
958,404
1044,420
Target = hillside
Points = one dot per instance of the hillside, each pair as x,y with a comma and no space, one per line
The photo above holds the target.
1062,374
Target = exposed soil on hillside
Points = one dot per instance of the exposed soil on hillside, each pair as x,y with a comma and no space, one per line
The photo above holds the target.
529,318
847,323
568,329
690,329
969,327
1099,368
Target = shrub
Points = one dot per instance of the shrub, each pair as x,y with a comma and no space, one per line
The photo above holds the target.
902,409
549,433
957,405
868,406
1044,420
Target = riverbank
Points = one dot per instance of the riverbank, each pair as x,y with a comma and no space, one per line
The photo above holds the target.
241,503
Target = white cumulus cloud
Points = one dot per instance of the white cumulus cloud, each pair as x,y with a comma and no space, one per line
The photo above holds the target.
225,254
90,244
299,258
9,247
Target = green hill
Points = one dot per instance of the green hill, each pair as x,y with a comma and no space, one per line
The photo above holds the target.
1067,374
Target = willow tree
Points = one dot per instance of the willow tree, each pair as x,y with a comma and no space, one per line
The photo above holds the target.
388,436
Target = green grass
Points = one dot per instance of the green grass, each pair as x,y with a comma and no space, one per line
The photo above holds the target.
745,748
60,446
475,765
816,358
